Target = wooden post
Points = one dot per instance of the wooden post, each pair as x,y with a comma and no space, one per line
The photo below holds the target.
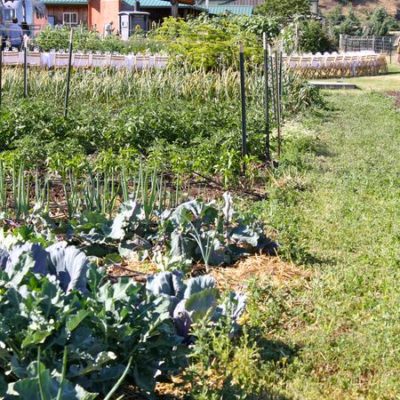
68,74
266,102
243,100
174,8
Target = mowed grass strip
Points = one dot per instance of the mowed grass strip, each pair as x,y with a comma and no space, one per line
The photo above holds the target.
345,324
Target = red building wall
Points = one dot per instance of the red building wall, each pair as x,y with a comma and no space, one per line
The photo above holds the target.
57,12
102,12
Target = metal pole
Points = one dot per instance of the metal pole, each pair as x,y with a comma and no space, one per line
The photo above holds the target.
391,48
266,102
280,85
25,66
68,74
272,68
243,100
277,102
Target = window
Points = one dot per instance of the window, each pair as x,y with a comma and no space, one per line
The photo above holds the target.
70,18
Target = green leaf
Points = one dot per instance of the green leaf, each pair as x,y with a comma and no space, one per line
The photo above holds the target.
28,389
102,358
74,321
201,303
24,265
36,337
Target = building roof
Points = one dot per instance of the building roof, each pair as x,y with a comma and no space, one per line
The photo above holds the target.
233,9
159,4
66,2
234,2
215,7
240,7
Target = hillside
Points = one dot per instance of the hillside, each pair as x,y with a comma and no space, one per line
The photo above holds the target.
393,6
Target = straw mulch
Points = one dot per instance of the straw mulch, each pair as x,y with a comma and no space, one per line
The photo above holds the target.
261,268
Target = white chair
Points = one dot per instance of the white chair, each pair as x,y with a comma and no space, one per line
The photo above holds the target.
12,57
34,59
100,60
81,61
118,61
61,60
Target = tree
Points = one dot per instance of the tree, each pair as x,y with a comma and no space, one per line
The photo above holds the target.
335,16
314,38
380,22
284,9
351,25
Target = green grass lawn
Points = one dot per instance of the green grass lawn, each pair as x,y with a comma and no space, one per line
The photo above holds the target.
343,224
390,81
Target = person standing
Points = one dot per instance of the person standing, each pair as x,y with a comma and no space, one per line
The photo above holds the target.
108,29
3,34
15,34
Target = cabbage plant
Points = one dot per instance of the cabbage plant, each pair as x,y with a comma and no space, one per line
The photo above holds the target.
101,329
194,299
194,231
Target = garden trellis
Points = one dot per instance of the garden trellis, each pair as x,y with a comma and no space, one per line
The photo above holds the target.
273,93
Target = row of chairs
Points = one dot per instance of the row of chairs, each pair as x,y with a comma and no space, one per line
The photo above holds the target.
335,53
337,66
60,60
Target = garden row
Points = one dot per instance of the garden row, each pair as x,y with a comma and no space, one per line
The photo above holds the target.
174,120
68,330
115,189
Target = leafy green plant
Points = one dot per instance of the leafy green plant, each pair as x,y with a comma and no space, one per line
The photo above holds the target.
195,300
283,9
92,333
315,38
96,327
380,22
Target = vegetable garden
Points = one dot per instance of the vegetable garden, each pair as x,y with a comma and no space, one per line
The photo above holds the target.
113,217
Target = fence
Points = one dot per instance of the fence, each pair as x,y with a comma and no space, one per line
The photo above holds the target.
378,44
